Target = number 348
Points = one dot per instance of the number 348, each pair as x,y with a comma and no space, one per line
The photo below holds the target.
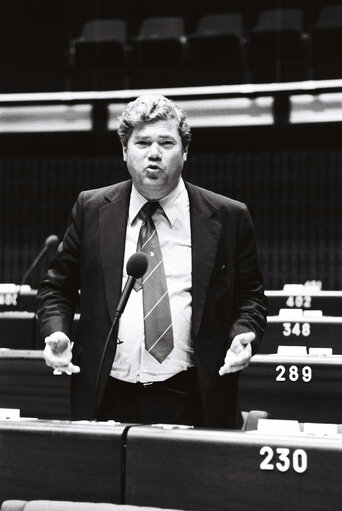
297,329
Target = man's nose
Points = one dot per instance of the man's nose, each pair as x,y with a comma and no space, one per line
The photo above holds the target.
154,151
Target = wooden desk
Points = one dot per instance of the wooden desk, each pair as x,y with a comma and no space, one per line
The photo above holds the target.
28,384
312,332
60,460
25,300
329,302
190,469
308,389
313,394
17,330
223,470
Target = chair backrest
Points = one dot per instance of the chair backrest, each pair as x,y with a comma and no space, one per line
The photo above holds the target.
215,24
105,30
279,19
330,17
251,419
162,28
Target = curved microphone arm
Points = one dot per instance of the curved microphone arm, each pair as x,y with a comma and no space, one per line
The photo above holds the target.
51,241
136,268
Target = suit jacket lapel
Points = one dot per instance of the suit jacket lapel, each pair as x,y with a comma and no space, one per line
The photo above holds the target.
112,226
205,234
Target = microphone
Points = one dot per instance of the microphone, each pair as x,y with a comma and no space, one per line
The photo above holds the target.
136,267
51,241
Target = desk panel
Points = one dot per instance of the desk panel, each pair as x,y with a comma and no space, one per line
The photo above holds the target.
26,300
329,302
17,330
60,460
320,332
308,389
220,470
28,384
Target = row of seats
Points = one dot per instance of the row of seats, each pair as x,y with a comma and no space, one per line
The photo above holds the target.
276,49
221,50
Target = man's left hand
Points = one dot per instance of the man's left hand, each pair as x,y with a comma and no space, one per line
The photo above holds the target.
239,354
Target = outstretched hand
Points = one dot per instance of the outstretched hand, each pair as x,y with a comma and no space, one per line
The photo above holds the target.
58,354
239,354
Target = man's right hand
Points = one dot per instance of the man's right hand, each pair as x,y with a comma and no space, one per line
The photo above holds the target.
58,353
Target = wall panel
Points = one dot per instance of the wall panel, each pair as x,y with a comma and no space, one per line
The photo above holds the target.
293,196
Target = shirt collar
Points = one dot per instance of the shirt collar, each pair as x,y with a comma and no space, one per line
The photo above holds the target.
169,203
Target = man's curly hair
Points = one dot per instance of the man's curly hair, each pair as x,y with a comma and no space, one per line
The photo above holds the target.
150,107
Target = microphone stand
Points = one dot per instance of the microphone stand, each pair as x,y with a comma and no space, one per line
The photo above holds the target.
34,264
136,268
121,305
51,241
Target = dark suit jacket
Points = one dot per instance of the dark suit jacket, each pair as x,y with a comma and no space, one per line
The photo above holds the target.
227,291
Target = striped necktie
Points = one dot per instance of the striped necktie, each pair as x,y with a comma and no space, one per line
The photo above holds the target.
156,304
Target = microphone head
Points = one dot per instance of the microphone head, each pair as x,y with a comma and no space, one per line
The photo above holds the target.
51,241
137,265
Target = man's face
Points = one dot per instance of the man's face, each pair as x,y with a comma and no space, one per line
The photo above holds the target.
155,158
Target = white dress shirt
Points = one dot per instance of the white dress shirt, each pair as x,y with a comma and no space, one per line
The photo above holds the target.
132,362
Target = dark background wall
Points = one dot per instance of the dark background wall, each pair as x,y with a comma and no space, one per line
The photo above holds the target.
290,177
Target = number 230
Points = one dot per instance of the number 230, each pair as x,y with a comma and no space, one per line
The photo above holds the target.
298,460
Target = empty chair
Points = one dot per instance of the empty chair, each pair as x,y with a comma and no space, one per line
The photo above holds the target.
99,55
158,52
276,47
251,419
161,39
326,37
215,50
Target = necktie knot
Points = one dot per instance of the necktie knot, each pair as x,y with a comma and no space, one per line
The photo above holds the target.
149,209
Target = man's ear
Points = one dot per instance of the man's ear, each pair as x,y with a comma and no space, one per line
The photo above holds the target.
124,153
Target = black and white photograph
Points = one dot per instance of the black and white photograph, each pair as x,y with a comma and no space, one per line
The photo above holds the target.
170,255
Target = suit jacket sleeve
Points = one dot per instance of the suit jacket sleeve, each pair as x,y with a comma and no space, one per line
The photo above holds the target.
250,303
58,294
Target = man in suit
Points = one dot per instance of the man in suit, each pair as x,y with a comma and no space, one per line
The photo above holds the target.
175,356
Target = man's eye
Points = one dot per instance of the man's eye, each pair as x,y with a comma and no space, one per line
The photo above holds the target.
141,143
167,143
